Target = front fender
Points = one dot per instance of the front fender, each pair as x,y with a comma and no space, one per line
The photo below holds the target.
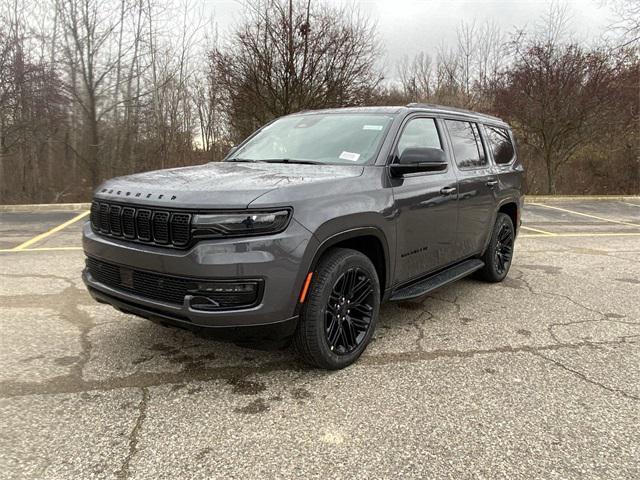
337,230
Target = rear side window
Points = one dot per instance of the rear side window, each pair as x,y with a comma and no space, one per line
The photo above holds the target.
500,144
419,133
467,146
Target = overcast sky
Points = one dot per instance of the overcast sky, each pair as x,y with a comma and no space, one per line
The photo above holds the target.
409,26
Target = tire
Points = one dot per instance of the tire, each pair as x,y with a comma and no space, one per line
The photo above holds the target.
499,253
330,335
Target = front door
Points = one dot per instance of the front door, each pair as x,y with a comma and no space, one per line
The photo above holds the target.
477,183
426,207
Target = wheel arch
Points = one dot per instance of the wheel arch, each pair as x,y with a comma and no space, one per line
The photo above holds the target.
370,241
510,207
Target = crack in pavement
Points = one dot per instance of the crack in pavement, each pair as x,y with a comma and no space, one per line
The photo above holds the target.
75,384
550,327
586,379
570,248
68,307
124,471
38,275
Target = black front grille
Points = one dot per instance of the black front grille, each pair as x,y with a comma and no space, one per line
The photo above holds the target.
171,229
167,288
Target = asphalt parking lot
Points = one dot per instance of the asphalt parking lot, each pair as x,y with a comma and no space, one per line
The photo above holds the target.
537,377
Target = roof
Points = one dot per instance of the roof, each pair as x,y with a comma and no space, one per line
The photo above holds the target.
427,107
371,109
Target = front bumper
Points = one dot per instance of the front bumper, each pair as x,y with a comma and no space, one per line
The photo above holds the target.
279,260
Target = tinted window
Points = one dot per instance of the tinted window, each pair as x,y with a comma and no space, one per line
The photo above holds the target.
500,144
467,146
419,133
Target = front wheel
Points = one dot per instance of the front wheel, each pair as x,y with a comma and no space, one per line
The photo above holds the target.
499,253
340,311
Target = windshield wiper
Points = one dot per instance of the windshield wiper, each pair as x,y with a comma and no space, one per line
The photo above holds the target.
292,160
242,160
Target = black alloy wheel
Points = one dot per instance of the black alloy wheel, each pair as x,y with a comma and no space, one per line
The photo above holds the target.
504,248
339,314
499,253
349,311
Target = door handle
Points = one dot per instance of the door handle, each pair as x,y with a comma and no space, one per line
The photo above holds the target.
492,183
448,190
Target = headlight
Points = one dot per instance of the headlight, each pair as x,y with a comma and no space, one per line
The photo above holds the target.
211,225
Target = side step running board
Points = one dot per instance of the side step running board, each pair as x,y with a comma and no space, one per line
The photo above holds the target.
449,275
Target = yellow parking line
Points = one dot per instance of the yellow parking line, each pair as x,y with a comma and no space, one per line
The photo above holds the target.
586,215
538,231
582,234
41,249
42,236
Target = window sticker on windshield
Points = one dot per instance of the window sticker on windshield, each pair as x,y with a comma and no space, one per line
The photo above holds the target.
349,156
372,127
307,122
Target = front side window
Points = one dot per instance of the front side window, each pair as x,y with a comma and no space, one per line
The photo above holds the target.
333,138
467,145
499,142
419,133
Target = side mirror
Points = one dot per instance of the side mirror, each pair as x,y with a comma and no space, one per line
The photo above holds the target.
415,160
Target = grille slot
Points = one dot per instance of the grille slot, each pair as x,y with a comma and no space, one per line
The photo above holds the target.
128,222
161,227
164,288
143,224
95,215
180,228
171,229
114,220
103,219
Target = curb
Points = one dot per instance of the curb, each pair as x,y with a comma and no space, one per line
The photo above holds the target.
577,198
45,207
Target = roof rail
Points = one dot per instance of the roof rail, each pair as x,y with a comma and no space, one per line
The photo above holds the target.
445,108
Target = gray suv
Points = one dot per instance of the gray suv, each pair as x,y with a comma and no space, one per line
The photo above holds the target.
310,223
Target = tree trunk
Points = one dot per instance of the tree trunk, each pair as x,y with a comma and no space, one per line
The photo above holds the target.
551,177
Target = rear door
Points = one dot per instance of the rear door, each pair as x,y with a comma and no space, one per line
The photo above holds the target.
500,144
425,204
477,183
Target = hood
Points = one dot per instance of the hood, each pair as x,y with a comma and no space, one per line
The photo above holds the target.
218,184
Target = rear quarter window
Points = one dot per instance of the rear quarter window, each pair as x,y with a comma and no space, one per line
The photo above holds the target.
500,144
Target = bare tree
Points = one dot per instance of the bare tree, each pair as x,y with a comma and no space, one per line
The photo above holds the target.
88,27
293,55
416,77
627,22
467,49
562,99
96,88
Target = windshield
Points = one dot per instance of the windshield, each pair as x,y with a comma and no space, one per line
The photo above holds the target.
317,138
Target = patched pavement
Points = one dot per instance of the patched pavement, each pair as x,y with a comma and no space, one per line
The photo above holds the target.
536,377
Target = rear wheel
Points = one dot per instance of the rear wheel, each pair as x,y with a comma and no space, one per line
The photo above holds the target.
340,312
499,253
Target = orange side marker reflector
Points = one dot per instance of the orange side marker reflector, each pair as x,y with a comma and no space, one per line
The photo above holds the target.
305,288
